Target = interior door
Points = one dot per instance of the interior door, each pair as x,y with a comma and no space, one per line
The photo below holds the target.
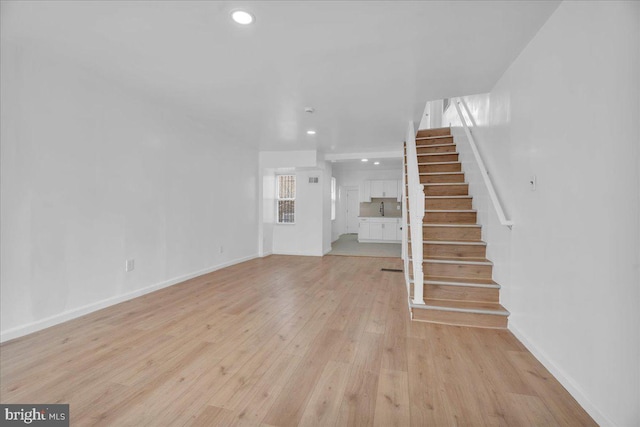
353,210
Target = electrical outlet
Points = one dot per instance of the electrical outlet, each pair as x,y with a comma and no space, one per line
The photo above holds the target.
221,249
129,265
398,207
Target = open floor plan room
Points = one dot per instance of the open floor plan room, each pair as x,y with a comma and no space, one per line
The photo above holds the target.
283,341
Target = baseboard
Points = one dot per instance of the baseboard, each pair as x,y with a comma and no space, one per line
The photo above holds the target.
567,382
56,319
296,253
266,254
379,241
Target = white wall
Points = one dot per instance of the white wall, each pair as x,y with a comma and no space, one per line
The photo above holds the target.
311,233
308,236
353,178
93,174
567,110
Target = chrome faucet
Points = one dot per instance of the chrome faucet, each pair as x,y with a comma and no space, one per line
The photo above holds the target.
382,208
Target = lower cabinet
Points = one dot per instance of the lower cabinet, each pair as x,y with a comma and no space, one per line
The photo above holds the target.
379,229
375,230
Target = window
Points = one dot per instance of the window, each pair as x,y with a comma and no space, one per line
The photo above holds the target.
286,199
333,199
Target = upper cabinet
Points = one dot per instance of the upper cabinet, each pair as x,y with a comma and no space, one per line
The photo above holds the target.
380,189
365,192
384,189
377,188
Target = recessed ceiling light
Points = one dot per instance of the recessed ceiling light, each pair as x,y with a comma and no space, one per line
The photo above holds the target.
242,17
376,163
311,132
365,160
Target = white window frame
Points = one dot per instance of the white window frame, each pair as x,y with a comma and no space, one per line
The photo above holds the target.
278,199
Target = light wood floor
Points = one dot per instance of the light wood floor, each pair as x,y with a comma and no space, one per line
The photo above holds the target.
282,341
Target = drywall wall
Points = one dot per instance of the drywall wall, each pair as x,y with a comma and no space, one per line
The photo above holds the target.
94,174
310,235
352,178
567,111
307,236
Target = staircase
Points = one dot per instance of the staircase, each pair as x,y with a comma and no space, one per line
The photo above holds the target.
458,286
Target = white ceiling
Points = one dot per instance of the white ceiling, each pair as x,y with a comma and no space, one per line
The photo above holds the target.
367,67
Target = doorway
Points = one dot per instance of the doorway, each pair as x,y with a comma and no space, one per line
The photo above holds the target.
353,210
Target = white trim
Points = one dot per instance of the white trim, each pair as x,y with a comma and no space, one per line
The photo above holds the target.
455,242
90,308
454,261
379,241
266,254
370,155
297,253
496,312
567,382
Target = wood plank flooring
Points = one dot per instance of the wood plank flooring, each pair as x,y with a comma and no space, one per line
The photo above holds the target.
282,341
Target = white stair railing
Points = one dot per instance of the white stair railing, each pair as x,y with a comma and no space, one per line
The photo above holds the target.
405,226
416,214
483,170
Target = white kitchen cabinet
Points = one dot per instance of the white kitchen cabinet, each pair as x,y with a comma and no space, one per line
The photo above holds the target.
389,231
390,189
377,188
364,193
363,229
379,230
375,230
383,189
380,189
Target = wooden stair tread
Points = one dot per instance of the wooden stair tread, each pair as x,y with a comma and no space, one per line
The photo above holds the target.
422,138
448,197
438,154
440,173
463,306
428,133
438,163
460,281
449,210
443,183
451,225
453,242
451,144
458,260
